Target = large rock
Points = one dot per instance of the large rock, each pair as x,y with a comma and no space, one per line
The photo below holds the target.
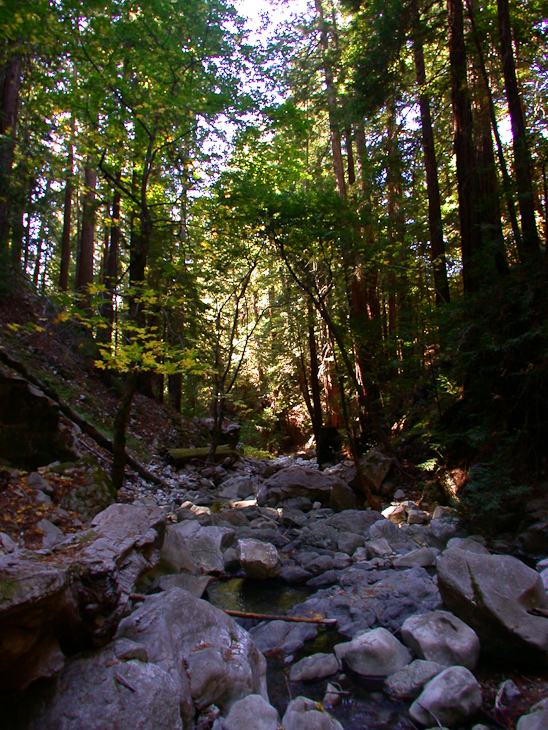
210,657
537,719
92,491
367,598
375,465
303,714
73,600
493,594
32,431
375,653
296,482
176,555
451,698
101,692
441,637
260,560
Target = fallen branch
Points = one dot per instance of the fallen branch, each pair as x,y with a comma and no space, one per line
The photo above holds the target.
79,420
269,617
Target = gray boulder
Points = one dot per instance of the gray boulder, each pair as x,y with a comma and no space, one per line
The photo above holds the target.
303,714
356,521
237,488
537,719
77,597
444,529
260,560
101,692
493,594
407,683
211,659
349,541
441,637
282,635
252,713
316,666
175,555
451,698
342,496
421,558
375,465
296,482
375,653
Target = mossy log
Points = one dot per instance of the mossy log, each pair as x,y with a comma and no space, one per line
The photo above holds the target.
180,457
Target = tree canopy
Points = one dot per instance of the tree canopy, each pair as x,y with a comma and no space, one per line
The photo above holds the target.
340,223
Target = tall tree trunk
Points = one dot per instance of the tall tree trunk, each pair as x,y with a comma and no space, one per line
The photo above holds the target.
67,210
437,247
338,166
174,390
11,83
120,427
467,181
522,160
489,209
84,273
506,180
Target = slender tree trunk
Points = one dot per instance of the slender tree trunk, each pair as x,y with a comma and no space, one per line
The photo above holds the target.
11,83
350,165
437,247
522,160
84,273
111,265
174,389
67,210
464,147
120,427
41,237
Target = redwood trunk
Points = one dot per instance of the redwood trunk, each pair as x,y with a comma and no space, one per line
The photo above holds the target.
437,247
522,160
67,211
8,125
84,273
464,147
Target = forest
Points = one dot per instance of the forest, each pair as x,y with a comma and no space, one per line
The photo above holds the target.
335,228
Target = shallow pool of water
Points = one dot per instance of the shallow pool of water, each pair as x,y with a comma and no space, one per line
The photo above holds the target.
360,709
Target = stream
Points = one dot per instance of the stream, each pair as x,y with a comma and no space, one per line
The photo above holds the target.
361,708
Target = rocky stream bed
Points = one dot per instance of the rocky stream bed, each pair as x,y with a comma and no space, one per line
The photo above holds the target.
122,623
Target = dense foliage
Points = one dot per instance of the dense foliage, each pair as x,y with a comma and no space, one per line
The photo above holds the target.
340,225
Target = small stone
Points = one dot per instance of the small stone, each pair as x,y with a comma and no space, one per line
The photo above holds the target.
396,512
407,683
6,543
42,498
417,517
37,481
332,696
316,666
253,713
